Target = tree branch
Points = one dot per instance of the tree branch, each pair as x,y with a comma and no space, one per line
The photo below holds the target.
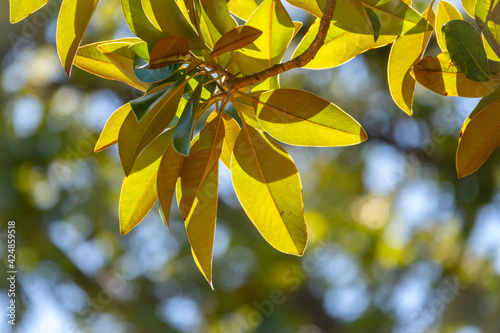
235,83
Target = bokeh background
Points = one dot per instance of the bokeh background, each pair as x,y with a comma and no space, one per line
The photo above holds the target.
397,242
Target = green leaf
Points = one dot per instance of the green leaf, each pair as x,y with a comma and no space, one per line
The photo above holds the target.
109,134
172,21
200,224
168,172
235,39
440,75
90,59
208,87
268,187
406,51
480,135
340,46
139,23
134,135
183,132
242,8
141,49
445,12
298,117
20,9
168,51
203,157
152,75
139,192
469,6
278,29
218,13
245,107
141,105
487,15
375,23
466,49
72,22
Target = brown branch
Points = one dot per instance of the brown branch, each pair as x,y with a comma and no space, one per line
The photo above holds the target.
235,83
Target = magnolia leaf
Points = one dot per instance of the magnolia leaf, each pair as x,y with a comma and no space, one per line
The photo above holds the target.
134,135
298,117
340,46
139,23
141,105
109,134
172,21
242,8
445,12
203,157
278,29
218,13
200,224
72,22
235,39
168,49
231,131
375,23
168,172
20,9
245,107
406,51
90,59
487,15
139,192
480,135
440,75
466,49
183,132
268,187
469,6
152,75
141,49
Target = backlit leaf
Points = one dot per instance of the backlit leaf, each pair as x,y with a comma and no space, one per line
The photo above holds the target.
466,49
235,39
445,12
134,135
141,105
469,6
406,51
139,192
20,9
203,157
74,16
487,14
242,8
90,59
231,131
340,46
440,75
184,130
298,117
109,134
168,172
268,187
218,13
152,75
480,135
172,21
167,50
139,23
245,107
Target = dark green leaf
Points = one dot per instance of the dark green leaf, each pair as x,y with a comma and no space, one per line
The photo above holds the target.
152,75
375,23
466,50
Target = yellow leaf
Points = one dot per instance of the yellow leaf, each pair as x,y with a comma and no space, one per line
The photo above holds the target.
218,13
245,107
268,187
273,19
134,136
203,156
340,46
469,6
90,59
200,224
235,39
440,75
298,117
445,12
139,22
172,21
139,192
74,17
242,8
109,134
231,129
480,135
168,172
406,51
20,9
